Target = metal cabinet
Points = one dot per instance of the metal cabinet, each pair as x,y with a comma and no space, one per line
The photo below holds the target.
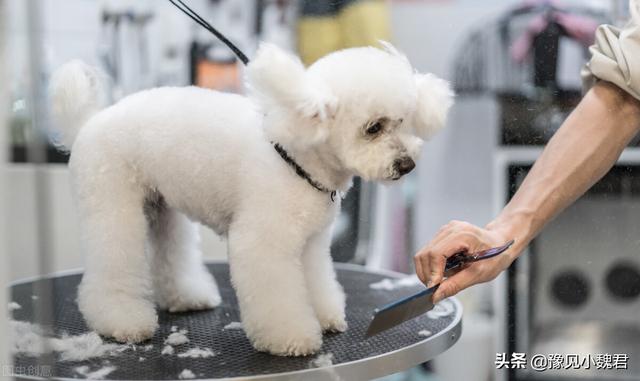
576,290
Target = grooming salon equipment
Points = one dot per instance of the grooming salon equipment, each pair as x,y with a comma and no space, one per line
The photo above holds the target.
353,356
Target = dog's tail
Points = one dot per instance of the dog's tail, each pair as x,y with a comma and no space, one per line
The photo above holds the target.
77,92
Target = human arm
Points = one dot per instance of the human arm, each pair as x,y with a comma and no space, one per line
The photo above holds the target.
581,152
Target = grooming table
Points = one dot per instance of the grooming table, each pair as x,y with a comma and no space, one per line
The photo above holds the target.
354,357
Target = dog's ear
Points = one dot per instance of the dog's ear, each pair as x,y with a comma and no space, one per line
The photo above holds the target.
278,79
435,97
389,48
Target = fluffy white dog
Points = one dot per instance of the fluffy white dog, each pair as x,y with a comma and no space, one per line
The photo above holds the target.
261,170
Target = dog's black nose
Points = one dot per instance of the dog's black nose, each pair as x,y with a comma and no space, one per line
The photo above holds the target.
404,165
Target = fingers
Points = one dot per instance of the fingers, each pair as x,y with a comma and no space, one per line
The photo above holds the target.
456,283
421,259
475,273
454,243
419,262
454,237
431,260
453,285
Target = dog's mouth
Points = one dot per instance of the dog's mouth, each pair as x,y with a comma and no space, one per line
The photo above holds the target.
395,176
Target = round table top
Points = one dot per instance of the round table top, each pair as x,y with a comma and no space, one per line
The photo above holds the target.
343,356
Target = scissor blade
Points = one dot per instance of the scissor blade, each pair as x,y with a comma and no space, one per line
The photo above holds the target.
398,312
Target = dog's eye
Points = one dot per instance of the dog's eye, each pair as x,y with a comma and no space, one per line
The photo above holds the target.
374,128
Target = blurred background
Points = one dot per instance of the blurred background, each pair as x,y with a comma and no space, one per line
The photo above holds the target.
515,67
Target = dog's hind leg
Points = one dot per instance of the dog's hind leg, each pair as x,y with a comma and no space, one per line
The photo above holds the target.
327,295
115,293
181,282
267,273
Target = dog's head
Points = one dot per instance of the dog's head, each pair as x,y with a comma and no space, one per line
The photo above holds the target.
367,107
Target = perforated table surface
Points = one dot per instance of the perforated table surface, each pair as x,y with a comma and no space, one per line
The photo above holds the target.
353,356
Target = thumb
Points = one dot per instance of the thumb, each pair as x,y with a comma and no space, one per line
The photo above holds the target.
454,285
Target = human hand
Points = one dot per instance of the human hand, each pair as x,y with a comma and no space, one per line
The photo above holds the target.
455,237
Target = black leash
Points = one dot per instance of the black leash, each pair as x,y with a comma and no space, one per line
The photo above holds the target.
302,173
196,17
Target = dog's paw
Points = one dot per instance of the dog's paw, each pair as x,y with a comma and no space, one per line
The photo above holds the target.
193,302
286,340
125,318
194,294
300,345
139,332
330,310
333,323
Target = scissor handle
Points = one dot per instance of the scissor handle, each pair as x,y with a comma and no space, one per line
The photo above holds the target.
490,253
461,258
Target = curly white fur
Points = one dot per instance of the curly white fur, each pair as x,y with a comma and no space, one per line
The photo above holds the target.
145,168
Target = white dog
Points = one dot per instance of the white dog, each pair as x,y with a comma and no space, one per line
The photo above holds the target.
263,170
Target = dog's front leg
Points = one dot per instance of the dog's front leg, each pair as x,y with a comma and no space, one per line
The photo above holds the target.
327,295
267,273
